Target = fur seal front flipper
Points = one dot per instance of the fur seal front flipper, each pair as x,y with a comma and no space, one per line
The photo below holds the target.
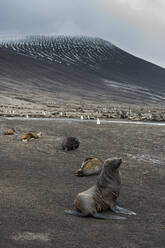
97,216
73,212
120,210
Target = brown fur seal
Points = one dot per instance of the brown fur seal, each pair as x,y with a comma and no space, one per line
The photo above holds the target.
90,166
70,143
30,136
103,195
10,132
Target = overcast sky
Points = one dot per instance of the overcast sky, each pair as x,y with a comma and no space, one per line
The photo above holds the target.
137,26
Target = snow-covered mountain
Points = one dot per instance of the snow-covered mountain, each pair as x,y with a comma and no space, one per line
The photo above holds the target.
83,66
63,49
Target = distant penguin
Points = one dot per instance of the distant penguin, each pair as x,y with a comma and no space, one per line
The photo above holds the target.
98,121
27,116
82,118
70,143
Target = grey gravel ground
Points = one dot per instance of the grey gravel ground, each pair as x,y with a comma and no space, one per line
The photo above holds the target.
37,183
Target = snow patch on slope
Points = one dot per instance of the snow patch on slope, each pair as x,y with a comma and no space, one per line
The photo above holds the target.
62,49
134,90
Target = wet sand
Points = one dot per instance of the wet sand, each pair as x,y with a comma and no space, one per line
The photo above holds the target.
38,183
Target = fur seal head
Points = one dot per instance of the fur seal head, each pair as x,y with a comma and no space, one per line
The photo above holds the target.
39,134
110,168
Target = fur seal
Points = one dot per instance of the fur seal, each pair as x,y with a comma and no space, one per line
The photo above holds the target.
70,143
90,166
103,195
30,136
10,131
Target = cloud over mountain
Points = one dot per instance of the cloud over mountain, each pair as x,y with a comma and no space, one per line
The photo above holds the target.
137,26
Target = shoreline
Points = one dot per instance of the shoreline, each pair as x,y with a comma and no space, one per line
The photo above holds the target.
102,121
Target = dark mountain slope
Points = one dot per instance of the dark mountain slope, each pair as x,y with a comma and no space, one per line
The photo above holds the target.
89,68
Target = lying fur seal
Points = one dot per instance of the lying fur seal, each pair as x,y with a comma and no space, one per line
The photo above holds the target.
90,166
10,131
70,143
30,136
103,195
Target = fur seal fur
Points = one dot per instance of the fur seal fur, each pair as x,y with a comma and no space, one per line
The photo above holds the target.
30,136
90,166
103,195
10,131
70,143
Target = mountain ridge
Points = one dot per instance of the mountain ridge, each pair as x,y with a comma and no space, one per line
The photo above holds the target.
98,69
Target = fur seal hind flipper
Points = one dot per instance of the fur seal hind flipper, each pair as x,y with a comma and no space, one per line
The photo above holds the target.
108,217
120,210
97,216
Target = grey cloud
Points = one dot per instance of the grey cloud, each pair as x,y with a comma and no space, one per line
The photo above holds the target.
137,26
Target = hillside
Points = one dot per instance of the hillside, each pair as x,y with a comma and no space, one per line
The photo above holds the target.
62,68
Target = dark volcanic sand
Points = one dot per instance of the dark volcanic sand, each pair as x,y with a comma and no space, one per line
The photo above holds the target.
38,183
